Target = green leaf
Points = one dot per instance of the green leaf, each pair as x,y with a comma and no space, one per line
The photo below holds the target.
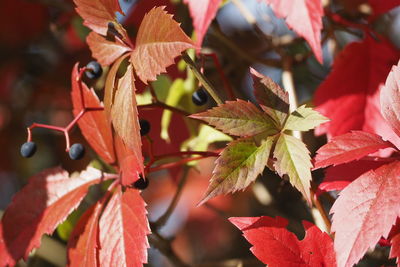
238,165
293,159
271,97
304,119
240,118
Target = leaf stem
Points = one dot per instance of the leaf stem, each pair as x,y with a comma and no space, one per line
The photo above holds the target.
159,104
164,246
203,80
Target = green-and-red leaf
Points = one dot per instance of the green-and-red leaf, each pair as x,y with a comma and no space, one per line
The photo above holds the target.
240,118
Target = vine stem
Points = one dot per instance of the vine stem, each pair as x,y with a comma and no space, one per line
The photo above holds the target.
288,84
164,246
202,79
165,106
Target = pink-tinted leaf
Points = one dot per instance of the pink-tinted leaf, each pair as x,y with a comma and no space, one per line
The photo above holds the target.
123,230
104,51
38,208
156,46
338,177
83,244
271,97
390,99
239,164
94,125
365,210
395,249
349,97
274,245
348,147
97,14
304,17
124,117
202,13
240,118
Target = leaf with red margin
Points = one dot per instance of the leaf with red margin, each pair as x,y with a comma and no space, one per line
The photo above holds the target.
123,230
202,13
304,17
348,147
350,96
274,245
94,125
97,14
128,164
124,117
365,210
52,195
104,51
390,99
83,243
338,177
159,40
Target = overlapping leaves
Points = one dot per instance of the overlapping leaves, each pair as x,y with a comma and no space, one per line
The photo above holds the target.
368,207
260,130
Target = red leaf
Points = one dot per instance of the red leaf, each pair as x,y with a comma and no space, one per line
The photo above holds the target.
104,51
202,13
349,147
38,208
390,99
380,7
338,177
97,14
395,241
304,17
274,245
94,125
156,47
123,230
83,243
350,96
365,210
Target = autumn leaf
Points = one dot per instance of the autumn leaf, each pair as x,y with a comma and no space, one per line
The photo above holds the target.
293,159
340,176
94,125
52,195
83,243
349,97
365,210
123,230
240,118
348,147
238,165
304,119
202,13
97,14
105,51
395,249
124,117
271,97
274,245
381,7
304,17
159,40
390,99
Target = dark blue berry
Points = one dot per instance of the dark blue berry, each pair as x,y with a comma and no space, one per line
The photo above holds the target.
144,127
141,183
94,70
200,97
28,149
77,151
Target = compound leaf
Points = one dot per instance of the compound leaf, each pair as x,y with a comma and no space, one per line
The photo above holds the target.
304,119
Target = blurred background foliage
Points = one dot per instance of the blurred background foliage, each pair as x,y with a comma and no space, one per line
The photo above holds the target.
41,40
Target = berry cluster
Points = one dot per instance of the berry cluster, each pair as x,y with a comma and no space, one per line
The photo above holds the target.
93,70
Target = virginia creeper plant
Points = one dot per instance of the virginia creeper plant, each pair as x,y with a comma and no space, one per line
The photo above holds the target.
248,133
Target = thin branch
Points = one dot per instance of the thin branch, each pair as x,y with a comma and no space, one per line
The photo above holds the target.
187,153
164,246
165,106
175,164
164,218
202,79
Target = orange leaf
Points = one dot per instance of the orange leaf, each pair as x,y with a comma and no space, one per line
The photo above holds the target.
159,40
